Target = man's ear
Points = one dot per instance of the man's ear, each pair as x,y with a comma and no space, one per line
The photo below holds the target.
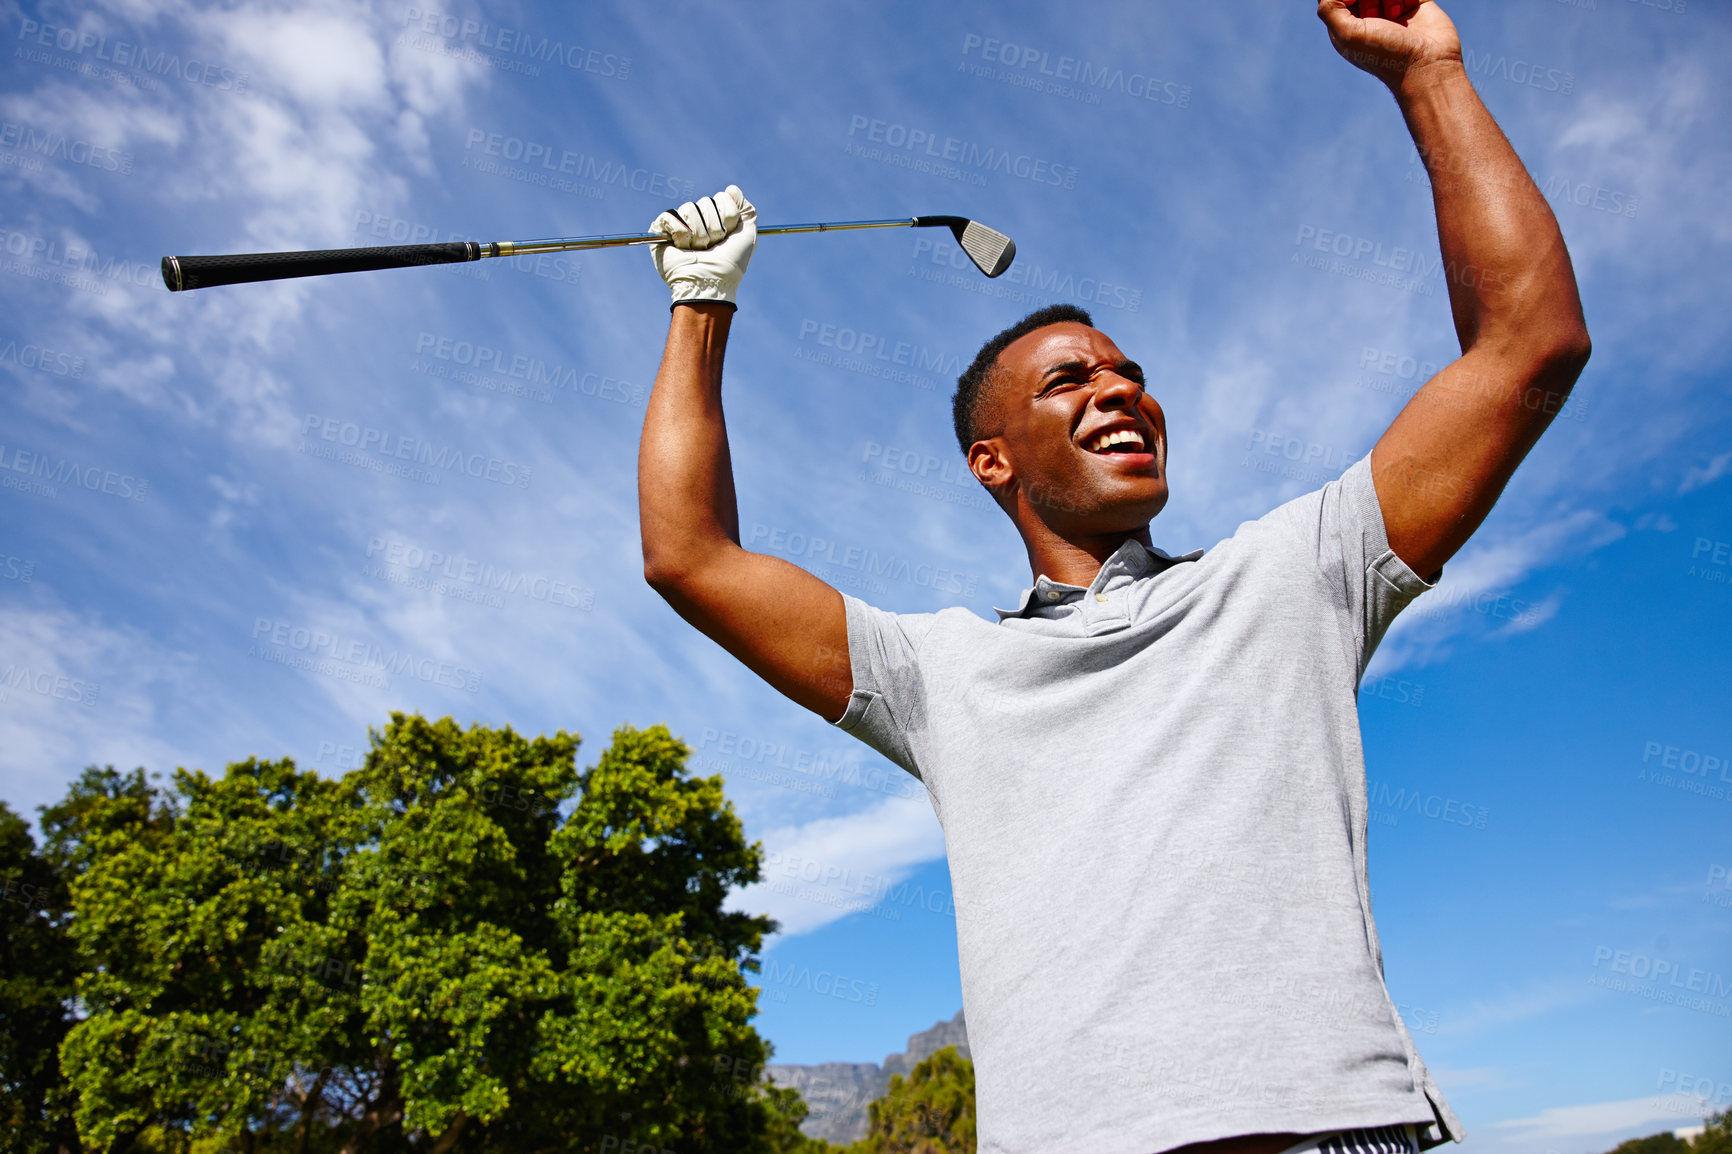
990,464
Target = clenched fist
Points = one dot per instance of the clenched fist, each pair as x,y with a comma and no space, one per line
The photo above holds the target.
710,243
1391,39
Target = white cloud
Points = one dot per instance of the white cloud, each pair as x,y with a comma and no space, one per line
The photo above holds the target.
1533,616
1481,579
1699,475
232,495
1500,564
1490,1077
827,869
1659,522
320,59
77,691
1535,999
1605,1117
1603,124
106,119
317,134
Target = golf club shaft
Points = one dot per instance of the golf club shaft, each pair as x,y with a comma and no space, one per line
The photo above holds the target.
189,272
563,244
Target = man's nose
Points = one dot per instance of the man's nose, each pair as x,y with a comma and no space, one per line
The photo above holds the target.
1117,392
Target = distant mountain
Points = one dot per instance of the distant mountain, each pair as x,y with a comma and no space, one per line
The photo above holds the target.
839,1092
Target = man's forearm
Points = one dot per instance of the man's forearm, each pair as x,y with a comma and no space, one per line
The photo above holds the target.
1509,275
686,502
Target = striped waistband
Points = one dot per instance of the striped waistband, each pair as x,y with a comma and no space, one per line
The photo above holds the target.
1402,1139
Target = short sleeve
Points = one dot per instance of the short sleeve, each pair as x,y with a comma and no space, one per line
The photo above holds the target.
1341,527
887,709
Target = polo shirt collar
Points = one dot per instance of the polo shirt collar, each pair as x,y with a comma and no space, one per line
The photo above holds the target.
1132,557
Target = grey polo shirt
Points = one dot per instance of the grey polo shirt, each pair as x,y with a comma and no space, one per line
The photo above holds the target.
1153,799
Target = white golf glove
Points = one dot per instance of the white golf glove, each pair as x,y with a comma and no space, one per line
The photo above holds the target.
712,242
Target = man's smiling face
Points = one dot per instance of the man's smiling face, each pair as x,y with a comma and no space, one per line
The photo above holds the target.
1083,447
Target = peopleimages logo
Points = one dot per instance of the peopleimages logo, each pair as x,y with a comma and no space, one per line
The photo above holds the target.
1359,248
1522,72
38,250
42,359
565,162
1663,972
822,982
125,54
868,344
503,38
315,644
860,560
63,471
47,683
1064,69
1687,760
1434,806
483,575
522,367
928,144
59,146
366,438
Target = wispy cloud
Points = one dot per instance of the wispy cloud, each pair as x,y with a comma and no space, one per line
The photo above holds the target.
1604,1117
1481,583
1532,1000
835,866
1699,475
78,690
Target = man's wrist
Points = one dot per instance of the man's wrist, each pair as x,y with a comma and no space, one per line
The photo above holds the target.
1427,79
709,308
716,315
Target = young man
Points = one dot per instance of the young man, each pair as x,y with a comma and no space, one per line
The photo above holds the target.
1149,772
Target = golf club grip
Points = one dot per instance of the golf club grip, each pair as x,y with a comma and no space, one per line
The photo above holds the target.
190,272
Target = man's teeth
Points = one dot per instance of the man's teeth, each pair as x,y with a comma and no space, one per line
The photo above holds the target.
1122,437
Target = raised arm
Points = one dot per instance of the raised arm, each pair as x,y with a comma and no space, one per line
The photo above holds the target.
1448,455
786,625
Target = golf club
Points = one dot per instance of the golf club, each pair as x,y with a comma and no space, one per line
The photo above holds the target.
990,250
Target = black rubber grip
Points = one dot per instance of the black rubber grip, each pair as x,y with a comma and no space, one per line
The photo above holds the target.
190,272
954,223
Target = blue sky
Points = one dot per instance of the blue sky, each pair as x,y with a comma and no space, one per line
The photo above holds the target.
197,486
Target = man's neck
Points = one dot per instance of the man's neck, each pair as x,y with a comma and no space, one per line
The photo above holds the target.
1074,560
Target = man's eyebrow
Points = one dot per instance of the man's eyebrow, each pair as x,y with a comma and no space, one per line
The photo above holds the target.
1065,367
1124,368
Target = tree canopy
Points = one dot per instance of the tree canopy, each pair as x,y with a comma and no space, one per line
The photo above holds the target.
931,1111
465,944
37,967
1716,1138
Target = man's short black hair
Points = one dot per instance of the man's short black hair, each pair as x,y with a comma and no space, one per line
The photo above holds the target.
970,407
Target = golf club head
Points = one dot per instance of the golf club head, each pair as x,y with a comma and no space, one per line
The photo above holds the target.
990,250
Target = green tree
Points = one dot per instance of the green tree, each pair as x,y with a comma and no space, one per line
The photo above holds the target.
787,1110
100,807
1664,1143
1716,1138
464,944
929,1112
38,960
37,966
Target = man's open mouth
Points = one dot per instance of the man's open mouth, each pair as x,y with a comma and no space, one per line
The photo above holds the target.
1117,441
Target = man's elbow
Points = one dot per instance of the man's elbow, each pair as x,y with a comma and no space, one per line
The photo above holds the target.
664,573
675,572
1570,351
1557,356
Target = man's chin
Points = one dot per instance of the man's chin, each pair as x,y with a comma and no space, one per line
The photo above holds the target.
1134,514
1098,511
